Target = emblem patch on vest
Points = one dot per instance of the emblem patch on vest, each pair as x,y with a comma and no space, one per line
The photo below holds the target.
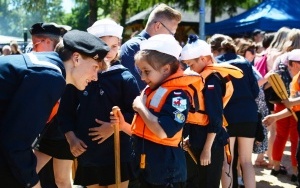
179,103
179,117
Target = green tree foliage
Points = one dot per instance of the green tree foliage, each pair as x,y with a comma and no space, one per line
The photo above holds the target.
218,7
121,10
16,15
79,18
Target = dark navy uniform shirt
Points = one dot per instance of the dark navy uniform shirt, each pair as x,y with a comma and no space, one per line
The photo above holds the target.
241,107
164,164
128,50
30,86
115,87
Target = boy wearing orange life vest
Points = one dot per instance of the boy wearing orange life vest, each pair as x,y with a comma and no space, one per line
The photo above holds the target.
294,101
208,138
161,114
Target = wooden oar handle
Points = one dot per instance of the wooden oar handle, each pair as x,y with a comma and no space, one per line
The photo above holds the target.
117,149
115,110
278,86
192,155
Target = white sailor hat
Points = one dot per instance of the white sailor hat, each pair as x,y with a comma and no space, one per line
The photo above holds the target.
294,55
163,43
106,27
195,48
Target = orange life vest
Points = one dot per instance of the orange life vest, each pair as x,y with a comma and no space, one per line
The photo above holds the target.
223,71
156,99
294,89
193,85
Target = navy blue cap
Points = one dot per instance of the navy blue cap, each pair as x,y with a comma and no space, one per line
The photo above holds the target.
85,43
45,28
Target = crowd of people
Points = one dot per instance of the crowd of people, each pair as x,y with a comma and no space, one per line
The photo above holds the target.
189,116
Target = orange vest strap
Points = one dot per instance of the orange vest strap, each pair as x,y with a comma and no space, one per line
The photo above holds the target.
294,89
53,112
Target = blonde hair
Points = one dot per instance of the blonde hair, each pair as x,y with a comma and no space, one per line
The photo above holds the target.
163,12
293,40
280,38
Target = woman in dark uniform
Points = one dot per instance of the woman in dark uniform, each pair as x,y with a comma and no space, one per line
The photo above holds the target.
31,85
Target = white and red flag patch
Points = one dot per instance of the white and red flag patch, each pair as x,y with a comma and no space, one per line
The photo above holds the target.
211,86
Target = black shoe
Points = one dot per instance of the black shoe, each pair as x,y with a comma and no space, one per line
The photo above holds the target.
294,178
280,171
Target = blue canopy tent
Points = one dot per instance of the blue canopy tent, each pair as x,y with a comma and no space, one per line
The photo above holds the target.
269,16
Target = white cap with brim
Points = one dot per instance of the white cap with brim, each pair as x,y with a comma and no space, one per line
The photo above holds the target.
195,48
163,43
106,27
294,55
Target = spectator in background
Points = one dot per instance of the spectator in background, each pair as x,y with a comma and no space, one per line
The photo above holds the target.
293,102
6,50
260,148
275,49
258,35
286,128
162,20
45,36
247,50
15,48
241,110
63,29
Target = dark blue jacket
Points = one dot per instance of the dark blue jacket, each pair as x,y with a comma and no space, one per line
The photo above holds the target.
214,110
29,90
241,107
128,50
115,87
52,130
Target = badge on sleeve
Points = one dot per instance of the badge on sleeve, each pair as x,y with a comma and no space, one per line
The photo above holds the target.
179,103
179,117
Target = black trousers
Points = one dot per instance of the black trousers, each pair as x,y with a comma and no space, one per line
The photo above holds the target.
8,180
205,176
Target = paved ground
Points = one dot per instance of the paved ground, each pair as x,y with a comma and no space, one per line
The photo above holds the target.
265,180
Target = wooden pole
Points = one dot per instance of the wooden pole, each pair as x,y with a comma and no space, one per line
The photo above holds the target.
190,152
192,155
117,149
